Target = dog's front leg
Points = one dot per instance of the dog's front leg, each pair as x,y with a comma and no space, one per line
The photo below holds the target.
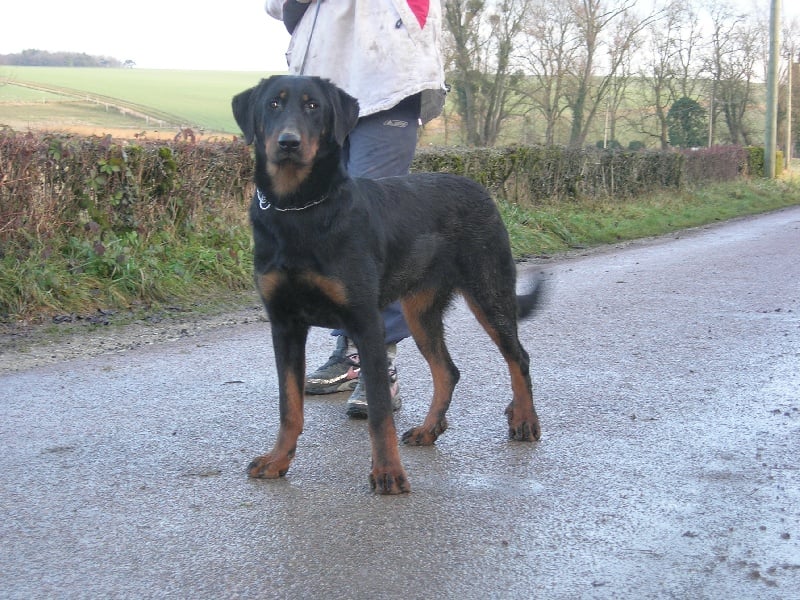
289,343
387,475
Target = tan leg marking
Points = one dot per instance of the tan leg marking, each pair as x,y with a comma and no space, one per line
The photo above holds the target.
275,463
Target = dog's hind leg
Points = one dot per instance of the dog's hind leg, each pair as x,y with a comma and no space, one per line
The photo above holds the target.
497,312
423,312
289,344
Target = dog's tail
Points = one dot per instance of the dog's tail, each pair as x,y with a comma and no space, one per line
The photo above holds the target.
533,299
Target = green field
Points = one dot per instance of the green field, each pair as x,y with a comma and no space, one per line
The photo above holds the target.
55,116
14,94
200,99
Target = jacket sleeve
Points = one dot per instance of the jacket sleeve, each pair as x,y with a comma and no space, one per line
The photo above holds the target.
293,11
274,9
288,11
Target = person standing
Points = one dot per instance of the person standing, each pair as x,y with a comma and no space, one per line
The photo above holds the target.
387,55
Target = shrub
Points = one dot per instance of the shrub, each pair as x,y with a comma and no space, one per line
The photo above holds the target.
686,121
531,174
56,183
608,145
89,222
718,163
755,162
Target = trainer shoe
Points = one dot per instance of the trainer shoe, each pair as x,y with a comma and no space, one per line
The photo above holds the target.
339,374
357,403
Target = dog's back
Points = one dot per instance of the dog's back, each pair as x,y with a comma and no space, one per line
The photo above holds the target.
438,229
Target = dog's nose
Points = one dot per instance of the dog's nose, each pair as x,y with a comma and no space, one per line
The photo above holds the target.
289,141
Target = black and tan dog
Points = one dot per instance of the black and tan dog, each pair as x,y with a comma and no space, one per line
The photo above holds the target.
333,251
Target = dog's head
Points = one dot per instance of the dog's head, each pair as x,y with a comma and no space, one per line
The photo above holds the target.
293,121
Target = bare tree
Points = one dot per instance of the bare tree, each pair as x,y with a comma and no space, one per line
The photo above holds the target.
483,36
656,77
569,62
790,111
462,56
548,53
667,70
609,25
737,43
621,53
688,42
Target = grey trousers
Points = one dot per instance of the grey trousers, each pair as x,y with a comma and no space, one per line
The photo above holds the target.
383,145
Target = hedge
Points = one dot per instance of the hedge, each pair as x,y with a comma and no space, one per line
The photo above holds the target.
61,183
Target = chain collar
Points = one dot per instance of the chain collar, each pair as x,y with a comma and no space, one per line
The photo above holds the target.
265,204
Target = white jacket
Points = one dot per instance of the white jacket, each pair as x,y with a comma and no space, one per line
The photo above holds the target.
375,50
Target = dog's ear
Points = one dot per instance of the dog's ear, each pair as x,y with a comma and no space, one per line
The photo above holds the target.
242,105
345,112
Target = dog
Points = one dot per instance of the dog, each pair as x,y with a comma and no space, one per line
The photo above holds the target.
333,251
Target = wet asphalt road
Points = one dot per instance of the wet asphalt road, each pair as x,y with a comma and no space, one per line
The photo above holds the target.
668,383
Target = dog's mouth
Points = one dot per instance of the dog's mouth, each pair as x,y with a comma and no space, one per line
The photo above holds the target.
282,160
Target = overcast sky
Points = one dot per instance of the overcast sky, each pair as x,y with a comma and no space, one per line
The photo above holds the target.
235,35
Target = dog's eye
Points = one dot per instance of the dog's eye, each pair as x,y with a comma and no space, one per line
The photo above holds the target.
274,103
312,105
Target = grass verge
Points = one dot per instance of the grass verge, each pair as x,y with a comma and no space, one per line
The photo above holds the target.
132,273
560,226
77,276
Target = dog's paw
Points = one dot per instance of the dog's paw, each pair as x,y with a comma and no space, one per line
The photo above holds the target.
268,467
424,436
389,481
523,429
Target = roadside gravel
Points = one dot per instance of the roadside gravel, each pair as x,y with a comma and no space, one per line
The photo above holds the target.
25,345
